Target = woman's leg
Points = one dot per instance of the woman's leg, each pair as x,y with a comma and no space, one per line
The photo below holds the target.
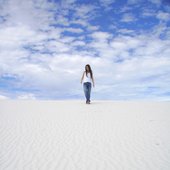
85,87
89,91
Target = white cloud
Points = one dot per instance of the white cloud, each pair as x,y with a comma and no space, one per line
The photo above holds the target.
79,21
126,8
126,31
93,28
133,1
67,3
73,30
157,2
163,16
28,13
62,20
100,44
78,43
107,3
128,17
82,14
2,97
101,36
28,96
160,29
85,11
149,12
15,36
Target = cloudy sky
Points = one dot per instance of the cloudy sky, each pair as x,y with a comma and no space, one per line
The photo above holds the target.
45,45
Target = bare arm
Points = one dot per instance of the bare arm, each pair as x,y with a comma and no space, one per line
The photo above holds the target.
82,77
93,81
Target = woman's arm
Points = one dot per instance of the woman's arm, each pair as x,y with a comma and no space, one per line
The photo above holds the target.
93,81
82,77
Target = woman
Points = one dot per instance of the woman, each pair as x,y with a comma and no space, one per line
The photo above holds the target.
87,78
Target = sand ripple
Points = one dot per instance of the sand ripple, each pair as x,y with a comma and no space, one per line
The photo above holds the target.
70,135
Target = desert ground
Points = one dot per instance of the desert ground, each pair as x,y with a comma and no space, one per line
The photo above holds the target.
72,135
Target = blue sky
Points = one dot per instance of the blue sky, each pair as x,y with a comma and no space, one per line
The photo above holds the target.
45,45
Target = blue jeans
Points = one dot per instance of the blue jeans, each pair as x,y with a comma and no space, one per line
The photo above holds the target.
87,90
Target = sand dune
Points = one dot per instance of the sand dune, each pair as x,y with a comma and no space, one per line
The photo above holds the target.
70,135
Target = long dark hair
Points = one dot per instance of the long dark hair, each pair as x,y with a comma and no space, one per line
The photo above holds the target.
90,70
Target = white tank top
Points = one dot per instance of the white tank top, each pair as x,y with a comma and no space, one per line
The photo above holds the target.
87,78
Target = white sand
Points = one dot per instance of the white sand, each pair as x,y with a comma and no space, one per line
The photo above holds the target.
70,135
